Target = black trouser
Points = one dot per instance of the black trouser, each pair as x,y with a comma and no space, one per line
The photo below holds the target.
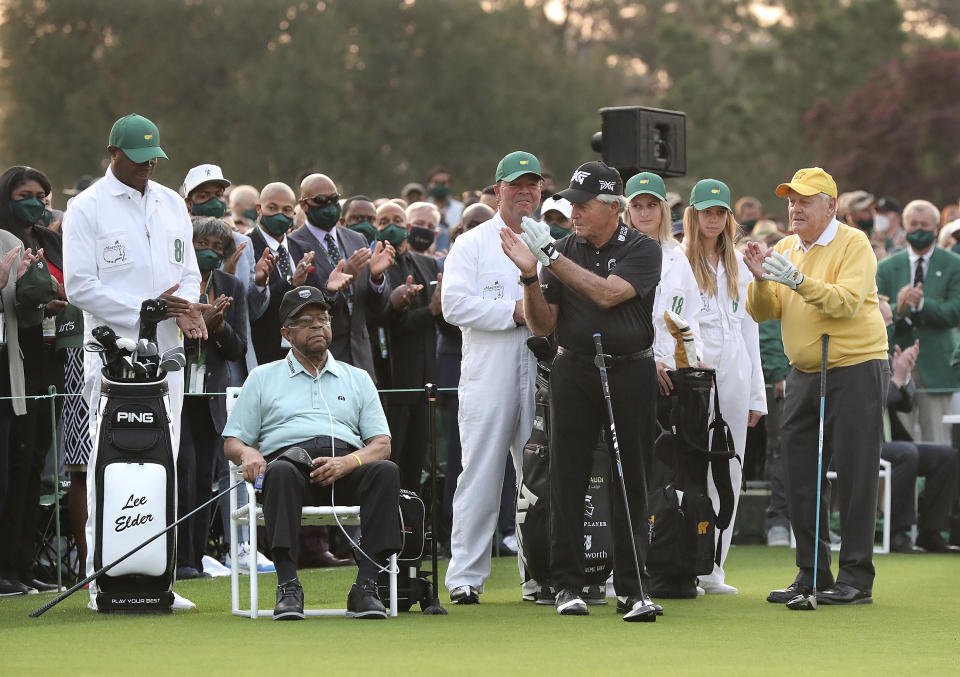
578,413
408,437
853,433
937,463
199,443
6,421
778,513
375,487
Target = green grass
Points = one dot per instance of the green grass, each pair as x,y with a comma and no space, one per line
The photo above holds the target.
912,628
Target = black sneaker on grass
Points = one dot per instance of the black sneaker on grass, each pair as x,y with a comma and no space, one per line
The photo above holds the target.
569,603
364,601
546,595
594,594
289,602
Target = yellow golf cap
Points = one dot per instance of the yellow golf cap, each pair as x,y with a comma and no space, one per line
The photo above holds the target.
809,181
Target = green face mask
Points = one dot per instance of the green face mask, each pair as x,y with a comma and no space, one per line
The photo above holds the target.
28,211
276,224
556,232
324,218
212,207
921,239
393,234
250,214
46,218
366,229
208,260
439,191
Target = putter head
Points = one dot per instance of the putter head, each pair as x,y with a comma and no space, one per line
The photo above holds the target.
641,613
803,603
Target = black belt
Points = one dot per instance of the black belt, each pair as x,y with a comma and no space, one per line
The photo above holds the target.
610,360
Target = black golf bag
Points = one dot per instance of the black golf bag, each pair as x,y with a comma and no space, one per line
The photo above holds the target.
683,529
412,584
136,496
533,497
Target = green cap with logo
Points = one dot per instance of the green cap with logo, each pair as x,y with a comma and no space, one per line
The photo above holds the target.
517,164
646,183
710,193
137,137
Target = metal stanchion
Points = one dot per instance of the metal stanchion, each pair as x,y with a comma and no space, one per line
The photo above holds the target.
431,390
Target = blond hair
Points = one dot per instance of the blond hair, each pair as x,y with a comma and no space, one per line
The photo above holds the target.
697,255
665,229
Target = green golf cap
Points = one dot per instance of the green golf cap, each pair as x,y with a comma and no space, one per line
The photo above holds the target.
710,193
517,164
137,137
646,183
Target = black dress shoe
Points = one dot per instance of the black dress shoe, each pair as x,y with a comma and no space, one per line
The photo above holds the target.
364,601
900,542
289,602
39,586
9,588
841,593
789,592
932,541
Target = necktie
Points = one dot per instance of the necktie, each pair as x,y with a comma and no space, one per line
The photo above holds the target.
283,263
332,250
918,278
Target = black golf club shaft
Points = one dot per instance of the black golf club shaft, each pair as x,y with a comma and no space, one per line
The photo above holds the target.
102,570
825,342
605,382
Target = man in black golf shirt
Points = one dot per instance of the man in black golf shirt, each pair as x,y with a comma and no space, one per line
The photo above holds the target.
601,278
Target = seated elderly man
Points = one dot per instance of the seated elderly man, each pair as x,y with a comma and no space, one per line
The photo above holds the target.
330,409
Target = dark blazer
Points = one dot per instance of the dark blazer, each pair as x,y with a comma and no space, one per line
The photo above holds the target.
228,344
265,330
899,399
411,334
351,346
934,324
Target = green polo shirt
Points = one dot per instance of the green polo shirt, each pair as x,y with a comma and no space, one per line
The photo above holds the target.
281,404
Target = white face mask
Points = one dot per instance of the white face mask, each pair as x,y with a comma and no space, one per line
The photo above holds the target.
881,222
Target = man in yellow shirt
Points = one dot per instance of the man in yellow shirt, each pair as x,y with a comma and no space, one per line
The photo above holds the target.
821,280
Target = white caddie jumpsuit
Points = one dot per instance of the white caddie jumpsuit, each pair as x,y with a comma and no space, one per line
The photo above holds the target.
731,344
110,267
677,292
497,384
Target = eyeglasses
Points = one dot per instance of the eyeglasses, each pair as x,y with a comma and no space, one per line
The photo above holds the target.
307,321
324,200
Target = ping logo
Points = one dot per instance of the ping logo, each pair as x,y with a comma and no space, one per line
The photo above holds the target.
580,175
135,416
702,528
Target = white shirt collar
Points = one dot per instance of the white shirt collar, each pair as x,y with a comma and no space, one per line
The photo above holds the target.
914,257
826,237
294,366
117,187
273,242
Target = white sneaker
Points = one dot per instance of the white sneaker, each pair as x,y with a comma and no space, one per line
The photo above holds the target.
264,565
700,591
182,603
711,588
778,536
214,568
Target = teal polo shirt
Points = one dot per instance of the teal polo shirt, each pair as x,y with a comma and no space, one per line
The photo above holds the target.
281,404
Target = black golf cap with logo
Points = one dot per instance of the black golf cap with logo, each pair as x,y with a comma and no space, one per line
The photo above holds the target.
592,179
295,299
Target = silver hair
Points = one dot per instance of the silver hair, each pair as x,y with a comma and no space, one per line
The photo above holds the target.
913,205
211,226
618,200
417,206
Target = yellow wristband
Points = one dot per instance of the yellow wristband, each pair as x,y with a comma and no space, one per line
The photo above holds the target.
359,462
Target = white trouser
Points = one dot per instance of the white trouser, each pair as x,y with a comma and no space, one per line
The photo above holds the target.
91,392
496,392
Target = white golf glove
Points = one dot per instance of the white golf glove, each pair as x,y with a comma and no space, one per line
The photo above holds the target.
781,269
536,236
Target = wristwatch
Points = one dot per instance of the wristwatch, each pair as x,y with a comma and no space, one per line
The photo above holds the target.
526,281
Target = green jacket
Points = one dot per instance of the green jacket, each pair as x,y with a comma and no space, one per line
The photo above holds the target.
773,361
934,325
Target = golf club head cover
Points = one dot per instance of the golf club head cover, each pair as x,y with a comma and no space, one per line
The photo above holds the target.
152,312
685,352
299,457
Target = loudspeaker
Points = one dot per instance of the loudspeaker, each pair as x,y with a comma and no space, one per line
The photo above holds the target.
636,139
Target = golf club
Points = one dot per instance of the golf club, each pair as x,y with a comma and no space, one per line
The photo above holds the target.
644,611
173,360
93,346
102,570
809,602
126,345
152,311
107,338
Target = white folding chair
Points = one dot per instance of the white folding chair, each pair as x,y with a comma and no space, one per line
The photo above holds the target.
251,515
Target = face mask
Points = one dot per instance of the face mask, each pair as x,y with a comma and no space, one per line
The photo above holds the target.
324,218
47,218
748,225
28,211
276,224
420,238
208,260
439,191
366,229
250,214
881,223
556,232
865,224
921,239
213,207
393,234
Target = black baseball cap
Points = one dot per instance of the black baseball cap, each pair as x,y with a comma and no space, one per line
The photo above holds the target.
590,180
295,299
888,204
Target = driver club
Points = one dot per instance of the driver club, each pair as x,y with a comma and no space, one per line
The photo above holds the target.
809,602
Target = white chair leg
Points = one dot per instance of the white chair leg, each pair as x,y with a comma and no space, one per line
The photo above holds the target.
234,534
393,584
254,570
